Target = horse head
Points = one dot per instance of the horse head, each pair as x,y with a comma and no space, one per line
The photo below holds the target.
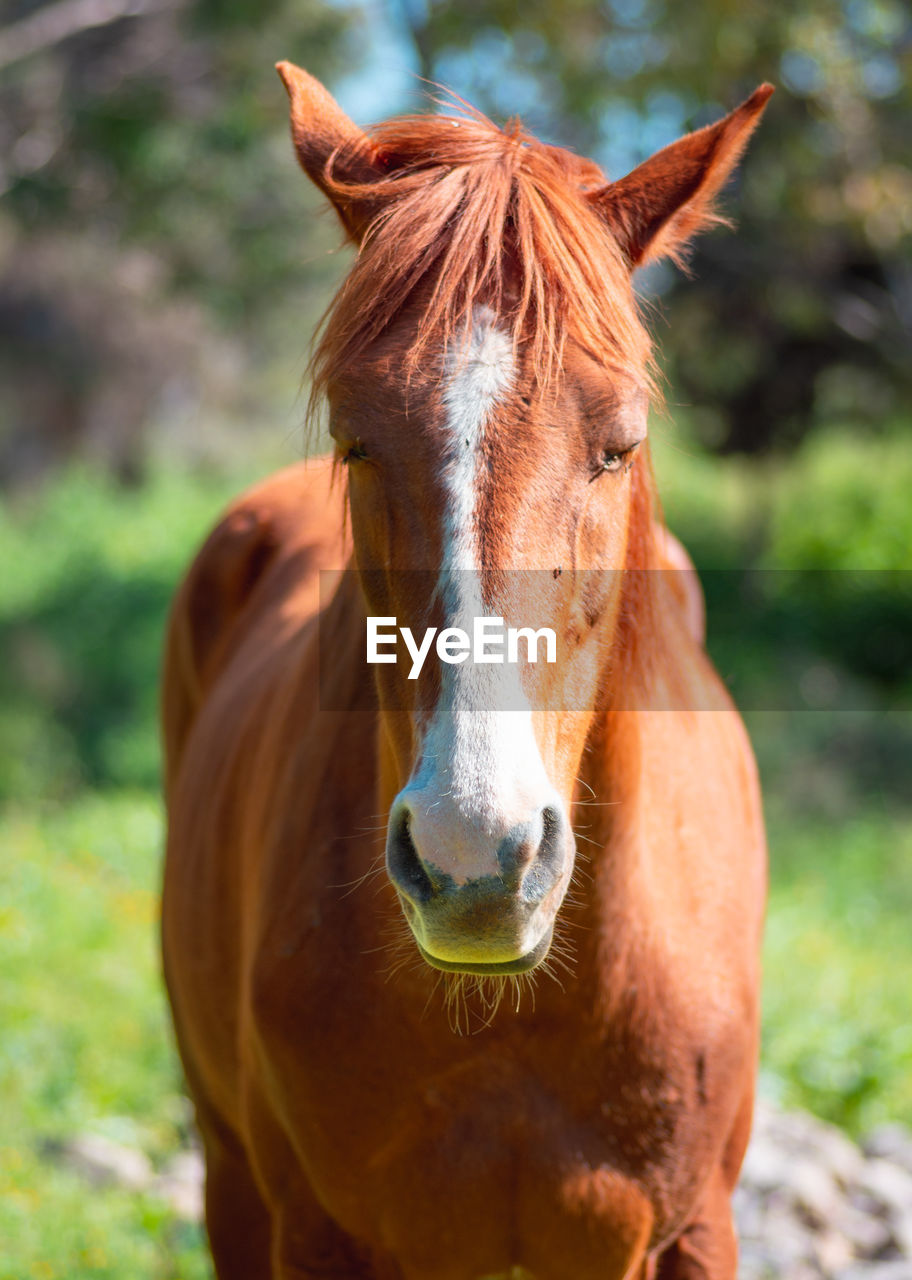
488,380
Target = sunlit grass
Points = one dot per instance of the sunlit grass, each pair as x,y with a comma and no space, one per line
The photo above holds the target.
86,1046
838,955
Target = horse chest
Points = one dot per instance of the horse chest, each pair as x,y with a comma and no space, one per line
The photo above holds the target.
533,1141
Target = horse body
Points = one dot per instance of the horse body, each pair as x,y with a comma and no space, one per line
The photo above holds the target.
591,1126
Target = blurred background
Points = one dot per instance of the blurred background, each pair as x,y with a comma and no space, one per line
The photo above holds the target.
162,266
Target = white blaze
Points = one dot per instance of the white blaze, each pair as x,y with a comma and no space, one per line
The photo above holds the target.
479,757
478,376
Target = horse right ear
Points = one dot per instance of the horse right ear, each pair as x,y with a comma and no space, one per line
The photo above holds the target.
335,154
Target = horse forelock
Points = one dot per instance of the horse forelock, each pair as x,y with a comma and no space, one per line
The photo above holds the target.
464,212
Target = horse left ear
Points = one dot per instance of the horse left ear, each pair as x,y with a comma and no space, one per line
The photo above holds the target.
337,155
655,210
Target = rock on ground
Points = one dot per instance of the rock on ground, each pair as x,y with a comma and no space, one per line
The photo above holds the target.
811,1205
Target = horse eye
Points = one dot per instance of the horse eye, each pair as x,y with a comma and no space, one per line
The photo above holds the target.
354,453
617,461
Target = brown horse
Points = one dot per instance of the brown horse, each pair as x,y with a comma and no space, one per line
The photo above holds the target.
487,378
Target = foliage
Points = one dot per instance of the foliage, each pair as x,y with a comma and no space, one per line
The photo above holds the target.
845,505
153,218
810,592
146,131
90,569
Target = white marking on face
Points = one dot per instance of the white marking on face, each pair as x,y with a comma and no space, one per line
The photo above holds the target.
478,376
481,771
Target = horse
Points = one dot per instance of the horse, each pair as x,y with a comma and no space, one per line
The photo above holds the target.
464,968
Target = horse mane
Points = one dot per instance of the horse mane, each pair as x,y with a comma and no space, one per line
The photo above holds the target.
468,212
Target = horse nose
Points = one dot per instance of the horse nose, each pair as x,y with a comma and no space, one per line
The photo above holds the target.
433,849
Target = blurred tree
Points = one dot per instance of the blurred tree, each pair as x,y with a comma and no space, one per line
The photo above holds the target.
147,208
805,315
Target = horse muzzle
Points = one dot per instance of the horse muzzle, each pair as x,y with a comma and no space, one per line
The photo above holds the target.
479,896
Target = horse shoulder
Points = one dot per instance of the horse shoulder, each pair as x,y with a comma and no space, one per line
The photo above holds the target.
294,510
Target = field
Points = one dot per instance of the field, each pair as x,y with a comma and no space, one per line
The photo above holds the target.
88,571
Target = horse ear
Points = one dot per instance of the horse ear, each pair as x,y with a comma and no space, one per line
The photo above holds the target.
324,134
655,210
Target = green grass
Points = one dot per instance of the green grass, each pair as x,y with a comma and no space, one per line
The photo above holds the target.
837,1028
86,1044
88,573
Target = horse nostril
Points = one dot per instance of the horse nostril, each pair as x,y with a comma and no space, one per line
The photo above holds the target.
541,867
549,851
531,853
405,867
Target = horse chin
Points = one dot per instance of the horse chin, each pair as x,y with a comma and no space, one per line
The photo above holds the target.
498,969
